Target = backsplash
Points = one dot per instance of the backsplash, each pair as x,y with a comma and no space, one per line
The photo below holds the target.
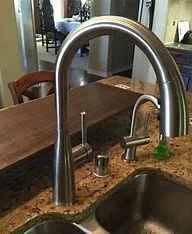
178,10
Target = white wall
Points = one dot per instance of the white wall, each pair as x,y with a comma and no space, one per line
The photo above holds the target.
161,18
58,6
99,60
179,10
26,30
10,54
142,68
123,47
112,54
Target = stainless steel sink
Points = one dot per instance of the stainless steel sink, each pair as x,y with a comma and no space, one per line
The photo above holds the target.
54,227
147,203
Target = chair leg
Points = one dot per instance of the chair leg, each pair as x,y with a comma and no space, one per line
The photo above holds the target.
47,44
55,46
42,39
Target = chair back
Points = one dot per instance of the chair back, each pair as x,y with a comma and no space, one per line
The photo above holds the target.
47,17
20,87
85,11
74,8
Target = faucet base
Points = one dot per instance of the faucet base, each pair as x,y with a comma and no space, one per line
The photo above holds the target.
131,144
81,154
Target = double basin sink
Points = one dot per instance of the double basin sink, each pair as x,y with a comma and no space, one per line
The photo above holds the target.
148,202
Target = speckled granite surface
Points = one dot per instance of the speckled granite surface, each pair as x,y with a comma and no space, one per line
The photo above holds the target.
26,197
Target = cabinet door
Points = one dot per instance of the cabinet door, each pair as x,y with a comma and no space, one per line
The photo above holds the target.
182,58
184,63
186,73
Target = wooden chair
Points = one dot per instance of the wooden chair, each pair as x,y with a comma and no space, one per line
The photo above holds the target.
22,86
85,15
53,37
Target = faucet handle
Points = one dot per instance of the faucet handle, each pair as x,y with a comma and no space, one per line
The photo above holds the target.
83,128
101,166
82,151
134,141
130,145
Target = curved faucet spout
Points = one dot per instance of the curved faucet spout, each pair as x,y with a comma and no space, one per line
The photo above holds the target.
131,142
173,102
141,100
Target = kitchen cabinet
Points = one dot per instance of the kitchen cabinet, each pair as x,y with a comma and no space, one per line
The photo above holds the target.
183,58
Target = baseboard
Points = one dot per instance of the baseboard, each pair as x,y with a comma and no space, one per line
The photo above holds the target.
99,73
121,69
109,73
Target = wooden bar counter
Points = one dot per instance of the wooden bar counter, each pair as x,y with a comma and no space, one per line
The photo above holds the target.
28,128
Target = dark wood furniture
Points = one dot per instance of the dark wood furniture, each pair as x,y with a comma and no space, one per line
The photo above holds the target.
20,87
74,7
85,15
85,11
50,35
183,58
29,128
37,19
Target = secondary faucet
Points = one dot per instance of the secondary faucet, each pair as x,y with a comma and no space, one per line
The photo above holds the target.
173,121
131,142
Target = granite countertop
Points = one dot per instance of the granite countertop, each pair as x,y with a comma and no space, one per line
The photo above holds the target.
26,192
180,46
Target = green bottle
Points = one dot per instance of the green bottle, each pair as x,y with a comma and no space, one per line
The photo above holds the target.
161,151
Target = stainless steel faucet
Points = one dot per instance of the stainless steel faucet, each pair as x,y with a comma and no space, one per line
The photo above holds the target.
131,142
173,120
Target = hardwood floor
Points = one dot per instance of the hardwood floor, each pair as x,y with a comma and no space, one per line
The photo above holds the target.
77,77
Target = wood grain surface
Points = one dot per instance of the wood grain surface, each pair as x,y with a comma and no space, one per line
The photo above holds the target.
28,128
